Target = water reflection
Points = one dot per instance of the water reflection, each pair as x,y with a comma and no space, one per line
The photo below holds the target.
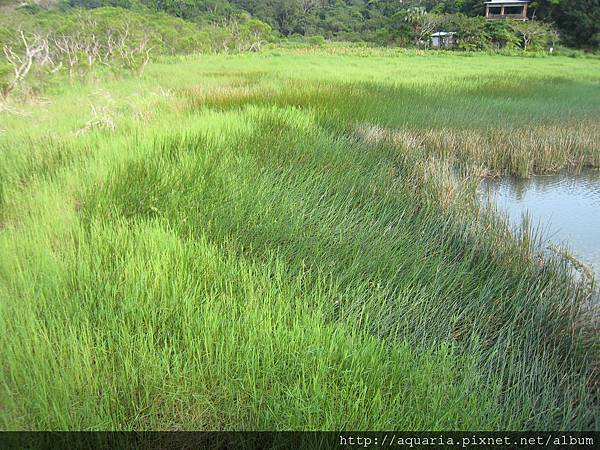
565,206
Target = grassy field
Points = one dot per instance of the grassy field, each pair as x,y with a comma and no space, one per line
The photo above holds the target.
292,240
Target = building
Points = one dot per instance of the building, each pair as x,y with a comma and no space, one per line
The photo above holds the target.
443,39
506,9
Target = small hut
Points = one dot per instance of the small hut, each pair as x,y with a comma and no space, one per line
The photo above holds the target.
443,39
506,9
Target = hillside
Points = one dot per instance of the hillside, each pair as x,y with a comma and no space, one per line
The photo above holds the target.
381,21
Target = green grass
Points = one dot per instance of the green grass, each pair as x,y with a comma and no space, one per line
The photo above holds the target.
292,241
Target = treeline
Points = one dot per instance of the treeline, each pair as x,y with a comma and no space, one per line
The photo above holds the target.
70,37
578,21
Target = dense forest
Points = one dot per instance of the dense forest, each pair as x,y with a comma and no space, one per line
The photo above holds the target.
386,22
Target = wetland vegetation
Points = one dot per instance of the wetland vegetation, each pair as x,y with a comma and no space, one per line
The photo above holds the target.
293,240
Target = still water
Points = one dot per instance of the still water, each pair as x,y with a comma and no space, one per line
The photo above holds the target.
564,207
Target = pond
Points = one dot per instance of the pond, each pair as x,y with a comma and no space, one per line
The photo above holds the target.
564,207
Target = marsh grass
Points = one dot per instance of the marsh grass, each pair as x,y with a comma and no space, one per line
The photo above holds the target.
497,135
519,151
253,256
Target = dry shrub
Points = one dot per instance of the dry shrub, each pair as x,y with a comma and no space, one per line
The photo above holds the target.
102,119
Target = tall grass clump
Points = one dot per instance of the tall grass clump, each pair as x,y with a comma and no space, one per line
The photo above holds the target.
267,253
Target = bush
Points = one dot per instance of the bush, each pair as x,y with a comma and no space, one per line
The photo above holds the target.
37,45
317,41
240,36
471,32
534,35
501,35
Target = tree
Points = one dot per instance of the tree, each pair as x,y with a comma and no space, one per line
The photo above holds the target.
534,34
423,24
253,34
21,55
501,34
580,22
471,32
